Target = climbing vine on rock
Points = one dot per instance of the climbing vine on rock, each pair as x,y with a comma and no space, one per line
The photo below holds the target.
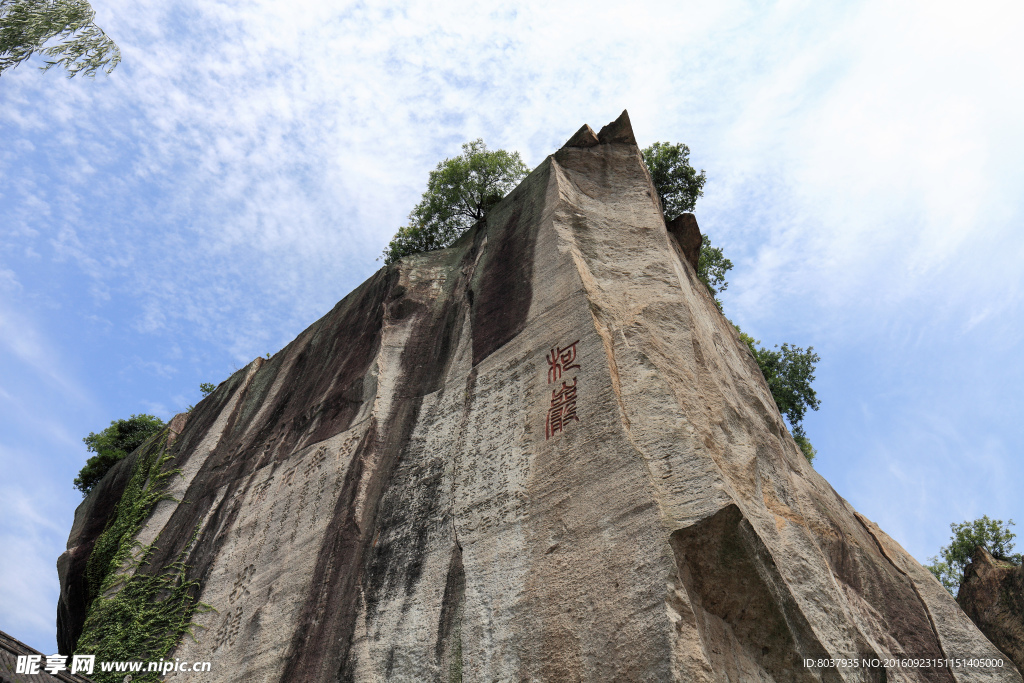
137,614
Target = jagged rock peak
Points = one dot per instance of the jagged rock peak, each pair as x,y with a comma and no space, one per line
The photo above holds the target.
618,131
584,137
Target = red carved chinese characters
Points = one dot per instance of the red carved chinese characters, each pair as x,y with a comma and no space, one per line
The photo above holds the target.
563,400
560,360
563,409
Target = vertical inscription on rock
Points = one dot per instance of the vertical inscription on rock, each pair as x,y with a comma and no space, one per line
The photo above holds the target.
229,628
241,587
562,409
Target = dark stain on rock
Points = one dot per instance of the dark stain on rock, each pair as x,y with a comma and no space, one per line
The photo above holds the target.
326,620
411,509
330,362
349,564
503,288
450,626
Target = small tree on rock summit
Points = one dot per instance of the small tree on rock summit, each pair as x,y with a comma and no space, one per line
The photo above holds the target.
991,534
678,184
460,192
112,444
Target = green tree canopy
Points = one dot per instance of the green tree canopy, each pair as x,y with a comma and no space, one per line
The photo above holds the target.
27,25
459,193
113,443
991,534
677,182
789,372
712,267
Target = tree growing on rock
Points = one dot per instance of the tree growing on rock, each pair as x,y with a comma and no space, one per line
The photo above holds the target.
949,565
26,26
788,370
460,192
112,444
712,266
679,185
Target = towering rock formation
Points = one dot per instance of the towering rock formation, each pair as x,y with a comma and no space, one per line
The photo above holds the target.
992,595
539,455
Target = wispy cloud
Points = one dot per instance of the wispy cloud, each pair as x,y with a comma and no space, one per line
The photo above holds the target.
253,153
20,337
32,538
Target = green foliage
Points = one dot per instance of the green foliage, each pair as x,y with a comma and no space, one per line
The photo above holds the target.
27,25
113,443
132,614
712,267
145,620
789,371
208,387
804,443
991,534
678,184
141,493
459,193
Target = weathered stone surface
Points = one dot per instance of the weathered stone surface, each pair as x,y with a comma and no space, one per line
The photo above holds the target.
584,137
619,131
992,595
684,229
539,455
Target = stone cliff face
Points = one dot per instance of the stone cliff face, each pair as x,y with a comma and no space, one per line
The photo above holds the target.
992,595
541,454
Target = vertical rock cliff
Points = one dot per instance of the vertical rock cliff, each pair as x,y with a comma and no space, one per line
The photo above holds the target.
541,455
992,595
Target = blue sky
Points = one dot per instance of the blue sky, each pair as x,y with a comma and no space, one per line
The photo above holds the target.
245,165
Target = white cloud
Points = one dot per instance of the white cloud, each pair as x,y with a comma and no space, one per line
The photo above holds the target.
31,539
274,149
21,338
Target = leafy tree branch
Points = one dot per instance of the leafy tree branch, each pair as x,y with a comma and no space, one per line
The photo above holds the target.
460,192
991,534
26,26
112,444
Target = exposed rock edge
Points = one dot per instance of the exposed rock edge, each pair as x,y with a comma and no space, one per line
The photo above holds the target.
992,595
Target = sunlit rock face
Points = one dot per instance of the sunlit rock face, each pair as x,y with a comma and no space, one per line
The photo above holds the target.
992,595
539,455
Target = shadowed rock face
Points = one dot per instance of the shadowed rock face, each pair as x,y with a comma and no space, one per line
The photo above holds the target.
540,454
992,595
